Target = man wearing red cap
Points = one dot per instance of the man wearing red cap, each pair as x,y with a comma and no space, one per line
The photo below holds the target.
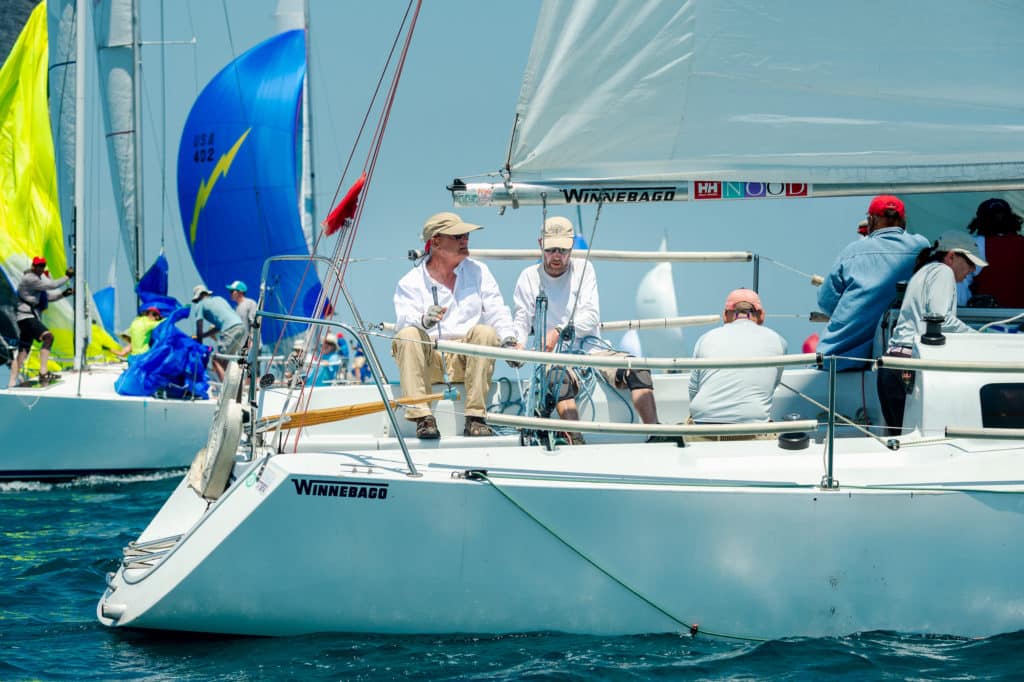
33,297
863,282
736,396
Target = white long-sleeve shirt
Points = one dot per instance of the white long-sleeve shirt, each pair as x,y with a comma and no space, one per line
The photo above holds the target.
561,294
931,291
475,300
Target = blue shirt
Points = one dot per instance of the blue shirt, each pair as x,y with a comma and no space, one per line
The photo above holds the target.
860,287
217,311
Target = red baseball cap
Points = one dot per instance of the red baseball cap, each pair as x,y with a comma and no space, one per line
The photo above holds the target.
886,202
743,296
38,260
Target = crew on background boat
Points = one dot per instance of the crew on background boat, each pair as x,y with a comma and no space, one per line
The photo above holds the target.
33,297
224,321
736,395
453,297
332,365
931,291
863,280
573,304
139,332
244,307
997,232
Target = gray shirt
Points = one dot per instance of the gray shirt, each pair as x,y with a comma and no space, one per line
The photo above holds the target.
931,291
29,288
735,396
246,310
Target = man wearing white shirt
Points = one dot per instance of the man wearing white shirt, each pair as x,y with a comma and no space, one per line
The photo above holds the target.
448,296
570,286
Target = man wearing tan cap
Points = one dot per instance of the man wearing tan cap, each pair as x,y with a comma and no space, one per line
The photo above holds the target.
570,286
931,291
731,395
448,296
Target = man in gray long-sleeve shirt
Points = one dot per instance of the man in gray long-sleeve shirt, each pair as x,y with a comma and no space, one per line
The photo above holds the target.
33,297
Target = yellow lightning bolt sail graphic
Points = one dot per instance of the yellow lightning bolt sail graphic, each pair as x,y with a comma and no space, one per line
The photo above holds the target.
219,171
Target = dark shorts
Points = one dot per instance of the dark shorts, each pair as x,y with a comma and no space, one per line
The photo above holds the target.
30,330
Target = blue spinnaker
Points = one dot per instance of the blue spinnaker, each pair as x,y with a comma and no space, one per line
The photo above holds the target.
239,177
174,366
152,288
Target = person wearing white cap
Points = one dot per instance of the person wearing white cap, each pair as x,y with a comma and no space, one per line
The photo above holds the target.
931,291
244,307
224,322
570,286
448,296
729,395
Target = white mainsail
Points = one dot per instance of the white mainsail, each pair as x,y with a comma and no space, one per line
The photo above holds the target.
671,94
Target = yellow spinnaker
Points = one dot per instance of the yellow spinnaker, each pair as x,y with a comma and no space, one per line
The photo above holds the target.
29,213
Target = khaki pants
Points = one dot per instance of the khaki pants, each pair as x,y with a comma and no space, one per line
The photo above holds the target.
419,366
751,436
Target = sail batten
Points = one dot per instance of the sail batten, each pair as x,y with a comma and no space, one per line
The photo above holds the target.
714,91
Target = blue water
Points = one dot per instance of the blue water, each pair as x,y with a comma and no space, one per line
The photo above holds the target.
58,541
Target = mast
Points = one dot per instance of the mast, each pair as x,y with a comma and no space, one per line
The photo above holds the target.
309,193
140,252
81,326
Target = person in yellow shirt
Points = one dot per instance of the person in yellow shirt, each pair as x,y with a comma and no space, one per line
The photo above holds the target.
139,332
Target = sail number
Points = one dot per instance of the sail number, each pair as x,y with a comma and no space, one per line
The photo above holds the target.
202,148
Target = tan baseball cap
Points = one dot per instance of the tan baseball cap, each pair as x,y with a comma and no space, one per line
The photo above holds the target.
558,233
959,241
446,223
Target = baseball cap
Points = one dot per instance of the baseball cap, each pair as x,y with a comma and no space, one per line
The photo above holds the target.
960,242
197,292
557,234
446,223
38,260
993,205
238,285
331,339
743,296
886,202
862,227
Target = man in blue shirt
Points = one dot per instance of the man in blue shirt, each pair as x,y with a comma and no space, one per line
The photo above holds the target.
863,282
222,318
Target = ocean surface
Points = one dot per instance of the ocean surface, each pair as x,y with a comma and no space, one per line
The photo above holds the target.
57,541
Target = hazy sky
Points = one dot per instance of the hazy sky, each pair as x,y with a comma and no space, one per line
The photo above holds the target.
452,117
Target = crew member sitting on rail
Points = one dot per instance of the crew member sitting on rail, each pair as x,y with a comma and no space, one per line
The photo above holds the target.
736,395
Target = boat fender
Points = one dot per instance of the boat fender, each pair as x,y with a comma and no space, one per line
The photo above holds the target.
212,466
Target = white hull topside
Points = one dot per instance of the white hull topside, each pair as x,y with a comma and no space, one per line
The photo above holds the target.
735,537
74,428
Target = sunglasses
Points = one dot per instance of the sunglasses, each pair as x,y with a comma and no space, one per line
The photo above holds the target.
560,252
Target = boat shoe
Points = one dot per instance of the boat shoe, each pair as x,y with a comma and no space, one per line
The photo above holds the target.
426,428
477,426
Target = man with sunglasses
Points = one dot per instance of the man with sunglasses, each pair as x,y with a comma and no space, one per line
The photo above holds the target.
448,296
570,286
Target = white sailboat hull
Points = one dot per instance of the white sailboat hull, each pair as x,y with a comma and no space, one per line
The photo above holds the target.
737,538
57,432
